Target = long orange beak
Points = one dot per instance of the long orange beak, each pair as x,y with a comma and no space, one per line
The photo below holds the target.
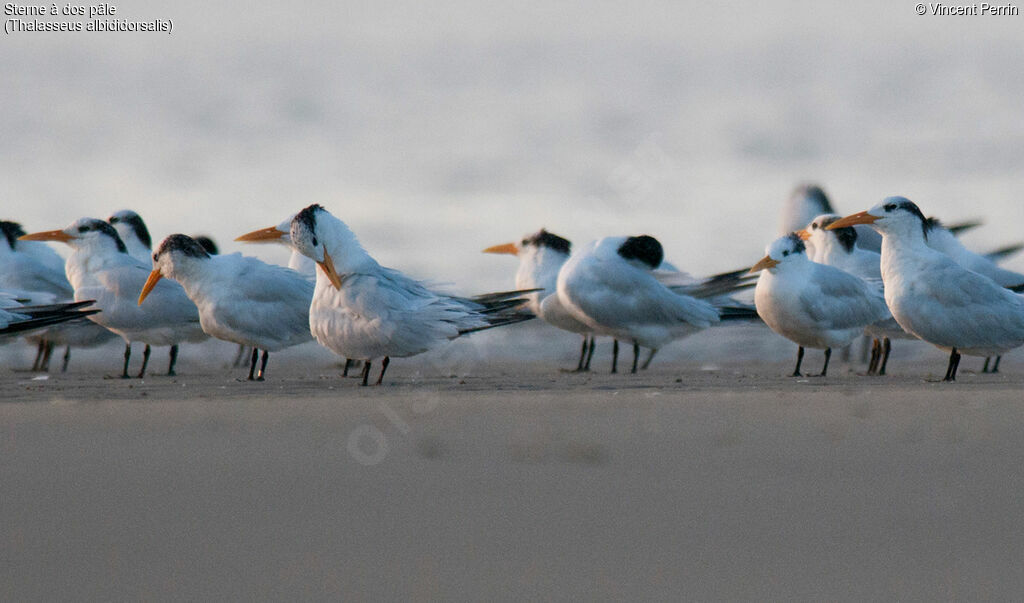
154,278
861,217
765,263
270,233
803,234
49,235
328,267
509,248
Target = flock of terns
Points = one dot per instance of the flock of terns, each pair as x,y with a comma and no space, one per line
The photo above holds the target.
887,273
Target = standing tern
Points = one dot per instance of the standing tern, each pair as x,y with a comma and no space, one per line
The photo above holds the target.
838,248
240,299
813,305
541,255
281,235
612,288
30,267
932,296
365,311
100,268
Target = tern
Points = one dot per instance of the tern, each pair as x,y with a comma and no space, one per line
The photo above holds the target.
813,305
38,272
281,235
240,299
611,287
100,268
541,255
364,311
838,248
935,298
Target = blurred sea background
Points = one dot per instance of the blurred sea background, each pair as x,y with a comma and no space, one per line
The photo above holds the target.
437,129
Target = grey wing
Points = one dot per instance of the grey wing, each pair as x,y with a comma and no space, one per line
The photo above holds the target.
984,310
839,300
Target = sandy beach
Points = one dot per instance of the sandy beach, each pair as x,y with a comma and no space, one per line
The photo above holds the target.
510,480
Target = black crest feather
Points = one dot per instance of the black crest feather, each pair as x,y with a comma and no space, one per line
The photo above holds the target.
645,248
543,238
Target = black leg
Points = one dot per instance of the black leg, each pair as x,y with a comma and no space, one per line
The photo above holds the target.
174,360
263,365
39,355
647,362
366,372
590,353
799,361
127,355
615,356
886,348
995,367
348,365
145,361
67,357
383,368
828,355
583,355
47,354
954,363
636,356
252,363
984,369
876,352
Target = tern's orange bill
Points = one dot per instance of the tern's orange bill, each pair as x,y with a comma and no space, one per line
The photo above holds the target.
803,234
151,282
509,248
328,267
271,233
763,264
861,217
49,235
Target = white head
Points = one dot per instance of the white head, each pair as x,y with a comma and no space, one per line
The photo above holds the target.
178,257
318,235
643,252
782,254
895,216
85,234
540,254
132,230
820,239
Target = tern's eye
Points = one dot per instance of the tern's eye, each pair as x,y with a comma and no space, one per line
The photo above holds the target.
155,256
314,242
889,207
814,226
785,253
83,229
